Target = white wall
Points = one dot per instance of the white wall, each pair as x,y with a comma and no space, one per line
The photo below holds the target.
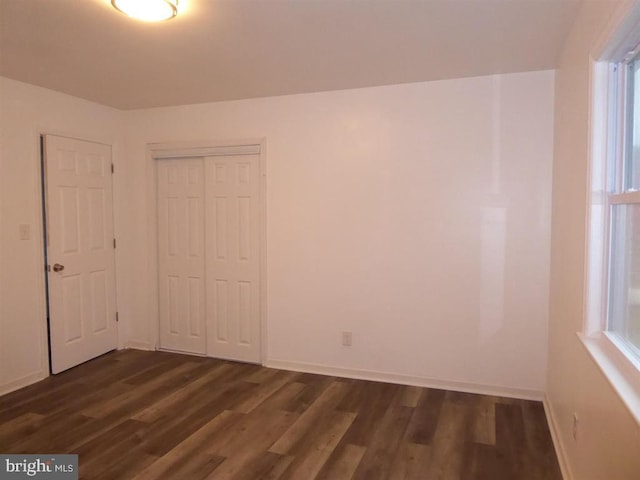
25,112
608,441
416,216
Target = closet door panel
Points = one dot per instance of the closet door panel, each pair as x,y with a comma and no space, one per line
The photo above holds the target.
181,255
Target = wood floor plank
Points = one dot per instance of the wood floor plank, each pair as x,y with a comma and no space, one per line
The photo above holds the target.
19,427
131,367
92,397
411,462
126,464
425,417
374,400
259,429
268,466
510,439
411,396
359,390
159,415
265,389
153,372
100,446
316,447
342,463
247,441
447,447
177,398
170,429
282,398
480,462
263,375
483,428
107,450
184,452
49,436
195,465
131,398
384,445
325,402
314,385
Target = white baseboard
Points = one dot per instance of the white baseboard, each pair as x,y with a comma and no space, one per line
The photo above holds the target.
137,345
22,382
402,379
557,440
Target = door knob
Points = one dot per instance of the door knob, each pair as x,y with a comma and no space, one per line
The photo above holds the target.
57,267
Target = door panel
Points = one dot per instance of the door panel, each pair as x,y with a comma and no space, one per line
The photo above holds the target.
82,299
181,256
233,267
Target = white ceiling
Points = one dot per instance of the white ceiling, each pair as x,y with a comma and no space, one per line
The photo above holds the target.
231,49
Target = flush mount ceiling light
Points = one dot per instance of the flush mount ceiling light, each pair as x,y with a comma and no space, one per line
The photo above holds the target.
148,10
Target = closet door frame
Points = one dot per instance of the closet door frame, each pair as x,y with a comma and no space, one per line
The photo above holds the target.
155,151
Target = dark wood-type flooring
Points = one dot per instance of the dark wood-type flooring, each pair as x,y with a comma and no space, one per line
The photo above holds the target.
155,415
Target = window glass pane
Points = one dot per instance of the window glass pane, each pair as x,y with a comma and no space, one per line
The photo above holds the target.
633,146
624,276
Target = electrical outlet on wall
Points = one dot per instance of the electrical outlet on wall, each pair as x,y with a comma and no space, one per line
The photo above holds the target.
346,339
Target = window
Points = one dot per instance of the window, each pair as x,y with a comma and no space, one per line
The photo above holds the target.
623,206
612,325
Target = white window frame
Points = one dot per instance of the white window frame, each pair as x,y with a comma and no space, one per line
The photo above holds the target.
615,357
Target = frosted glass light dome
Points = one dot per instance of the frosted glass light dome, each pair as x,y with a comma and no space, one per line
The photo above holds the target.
148,10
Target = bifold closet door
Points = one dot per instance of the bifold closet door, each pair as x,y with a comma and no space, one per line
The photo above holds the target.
209,256
233,257
181,255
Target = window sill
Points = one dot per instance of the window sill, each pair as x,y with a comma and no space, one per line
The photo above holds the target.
621,372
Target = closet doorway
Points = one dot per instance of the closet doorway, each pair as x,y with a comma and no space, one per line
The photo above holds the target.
209,232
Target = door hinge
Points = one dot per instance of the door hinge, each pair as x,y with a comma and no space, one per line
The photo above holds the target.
114,243
113,169
117,319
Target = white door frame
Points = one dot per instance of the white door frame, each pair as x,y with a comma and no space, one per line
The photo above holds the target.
198,149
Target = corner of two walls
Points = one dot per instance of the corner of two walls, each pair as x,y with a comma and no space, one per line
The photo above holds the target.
415,216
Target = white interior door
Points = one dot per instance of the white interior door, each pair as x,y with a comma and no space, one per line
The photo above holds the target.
181,255
80,251
233,257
